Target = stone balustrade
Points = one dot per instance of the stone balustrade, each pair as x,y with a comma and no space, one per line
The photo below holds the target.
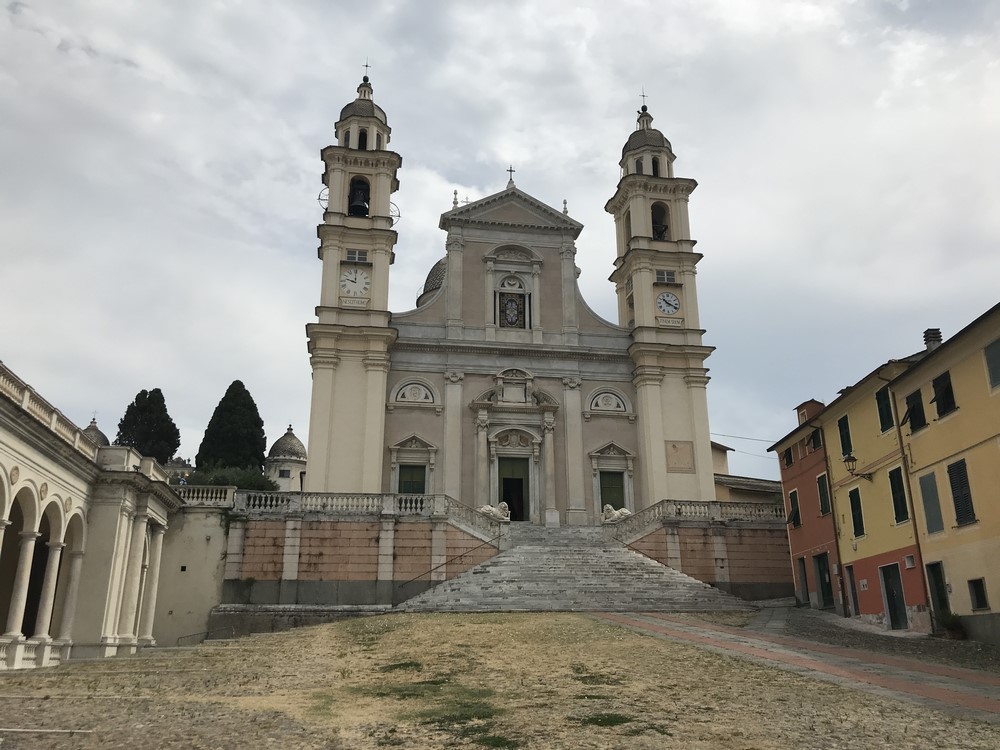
206,496
25,396
637,524
327,503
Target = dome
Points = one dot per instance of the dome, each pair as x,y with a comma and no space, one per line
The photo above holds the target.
645,137
435,277
94,435
288,446
645,134
363,106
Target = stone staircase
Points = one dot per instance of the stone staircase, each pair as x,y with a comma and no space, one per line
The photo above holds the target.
570,569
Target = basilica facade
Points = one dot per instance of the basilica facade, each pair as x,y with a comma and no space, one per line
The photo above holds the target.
502,384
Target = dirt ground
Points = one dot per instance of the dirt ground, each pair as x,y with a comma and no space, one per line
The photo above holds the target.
450,681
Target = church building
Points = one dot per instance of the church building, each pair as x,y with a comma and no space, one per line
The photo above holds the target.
502,384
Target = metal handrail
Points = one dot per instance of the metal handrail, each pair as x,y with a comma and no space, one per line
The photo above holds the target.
456,557
205,633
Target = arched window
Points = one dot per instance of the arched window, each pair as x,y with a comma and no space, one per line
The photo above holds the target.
347,138
363,139
628,226
512,309
378,141
661,228
638,166
656,166
359,196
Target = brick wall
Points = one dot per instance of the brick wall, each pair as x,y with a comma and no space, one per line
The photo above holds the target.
473,551
263,547
412,552
338,551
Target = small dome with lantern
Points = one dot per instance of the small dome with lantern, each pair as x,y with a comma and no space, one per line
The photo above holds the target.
287,446
93,433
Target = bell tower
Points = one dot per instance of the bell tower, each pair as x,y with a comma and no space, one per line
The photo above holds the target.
349,343
654,279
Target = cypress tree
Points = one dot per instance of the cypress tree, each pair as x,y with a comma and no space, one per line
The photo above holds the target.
147,427
234,437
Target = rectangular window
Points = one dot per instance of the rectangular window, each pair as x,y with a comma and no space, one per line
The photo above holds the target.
844,426
284,473
816,439
823,488
856,516
977,594
794,517
992,354
899,507
511,310
932,504
357,256
944,396
412,479
786,457
915,412
961,493
883,402
666,277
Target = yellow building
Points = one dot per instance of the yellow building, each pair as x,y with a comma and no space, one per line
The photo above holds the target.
881,573
950,432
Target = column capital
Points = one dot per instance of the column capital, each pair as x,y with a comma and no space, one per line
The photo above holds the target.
76,553
158,529
454,377
571,383
26,535
55,545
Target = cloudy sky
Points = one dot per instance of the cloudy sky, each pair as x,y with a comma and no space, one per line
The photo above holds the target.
159,166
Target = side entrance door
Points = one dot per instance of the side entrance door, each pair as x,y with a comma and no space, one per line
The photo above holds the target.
895,603
824,586
939,591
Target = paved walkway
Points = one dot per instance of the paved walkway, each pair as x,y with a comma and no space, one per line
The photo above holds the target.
960,692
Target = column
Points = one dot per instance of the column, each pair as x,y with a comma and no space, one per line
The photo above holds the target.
576,513
3,528
549,464
536,303
376,370
118,560
47,598
652,448
482,461
72,590
130,591
453,285
19,594
567,261
288,586
152,585
453,413
234,549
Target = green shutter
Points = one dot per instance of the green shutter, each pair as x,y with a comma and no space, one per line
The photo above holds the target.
961,493
823,488
794,515
883,402
856,516
898,491
844,426
932,505
992,354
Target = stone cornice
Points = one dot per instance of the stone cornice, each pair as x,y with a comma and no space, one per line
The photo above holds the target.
550,221
29,429
350,157
633,184
141,483
511,350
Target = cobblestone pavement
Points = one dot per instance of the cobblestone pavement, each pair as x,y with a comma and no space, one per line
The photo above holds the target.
925,673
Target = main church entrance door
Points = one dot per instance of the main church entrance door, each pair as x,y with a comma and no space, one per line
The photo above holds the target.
513,476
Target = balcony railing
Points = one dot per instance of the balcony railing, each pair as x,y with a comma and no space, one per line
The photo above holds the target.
631,527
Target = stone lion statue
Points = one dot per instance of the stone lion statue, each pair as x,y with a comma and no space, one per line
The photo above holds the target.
611,514
501,512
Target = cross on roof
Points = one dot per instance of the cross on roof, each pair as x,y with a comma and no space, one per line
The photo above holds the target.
510,170
366,66
643,95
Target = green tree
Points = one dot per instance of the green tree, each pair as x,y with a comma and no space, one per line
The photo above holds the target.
148,428
234,437
244,479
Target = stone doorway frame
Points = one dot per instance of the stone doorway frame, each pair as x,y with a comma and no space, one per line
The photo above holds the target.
516,442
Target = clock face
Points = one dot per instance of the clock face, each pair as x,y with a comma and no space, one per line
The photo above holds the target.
355,282
667,303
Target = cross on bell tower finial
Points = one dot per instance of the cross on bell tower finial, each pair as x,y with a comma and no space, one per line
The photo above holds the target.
510,170
643,95
366,66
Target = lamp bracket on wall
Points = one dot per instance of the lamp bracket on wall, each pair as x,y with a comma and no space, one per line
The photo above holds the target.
851,463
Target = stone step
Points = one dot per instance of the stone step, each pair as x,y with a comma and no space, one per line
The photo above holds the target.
571,569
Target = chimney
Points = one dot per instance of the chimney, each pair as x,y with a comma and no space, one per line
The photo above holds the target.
932,338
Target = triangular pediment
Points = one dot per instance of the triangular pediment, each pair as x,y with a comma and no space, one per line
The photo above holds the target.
511,209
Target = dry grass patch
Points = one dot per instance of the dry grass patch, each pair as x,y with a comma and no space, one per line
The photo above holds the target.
468,681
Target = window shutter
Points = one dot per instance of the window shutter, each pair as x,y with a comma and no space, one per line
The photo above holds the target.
992,354
932,505
857,517
884,405
898,491
823,488
961,493
794,516
844,426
